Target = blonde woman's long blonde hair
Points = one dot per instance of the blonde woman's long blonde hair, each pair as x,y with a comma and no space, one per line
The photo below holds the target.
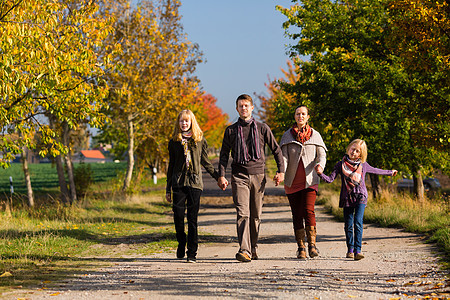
197,133
363,146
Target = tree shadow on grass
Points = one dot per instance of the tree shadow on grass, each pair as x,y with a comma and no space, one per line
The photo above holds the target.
41,270
130,221
84,235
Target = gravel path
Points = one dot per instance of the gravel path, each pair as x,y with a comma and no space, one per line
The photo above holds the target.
398,265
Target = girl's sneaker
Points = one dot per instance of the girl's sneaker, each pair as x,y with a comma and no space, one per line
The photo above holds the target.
359,256
350,255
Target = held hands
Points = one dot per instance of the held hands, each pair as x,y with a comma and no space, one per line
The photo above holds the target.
278,178
394,172
222,182
169,197
318,169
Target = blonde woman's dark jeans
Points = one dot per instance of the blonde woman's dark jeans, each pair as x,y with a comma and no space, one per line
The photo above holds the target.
186,199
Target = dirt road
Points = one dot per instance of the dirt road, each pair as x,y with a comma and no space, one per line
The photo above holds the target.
398,265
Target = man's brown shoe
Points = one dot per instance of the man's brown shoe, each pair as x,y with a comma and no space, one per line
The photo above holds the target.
243,257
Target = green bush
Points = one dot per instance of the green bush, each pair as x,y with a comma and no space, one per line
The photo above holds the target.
83,177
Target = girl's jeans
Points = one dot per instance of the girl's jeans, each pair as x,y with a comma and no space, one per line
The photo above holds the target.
354,227
186,199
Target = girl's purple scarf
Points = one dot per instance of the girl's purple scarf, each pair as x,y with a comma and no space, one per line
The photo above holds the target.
243,154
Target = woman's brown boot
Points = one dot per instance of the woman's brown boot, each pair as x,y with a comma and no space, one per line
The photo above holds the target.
311,237
300,238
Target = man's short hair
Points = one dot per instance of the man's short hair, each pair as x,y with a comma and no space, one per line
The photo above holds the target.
244,97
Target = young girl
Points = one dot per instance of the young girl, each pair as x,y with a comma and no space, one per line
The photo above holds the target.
353,197
187,152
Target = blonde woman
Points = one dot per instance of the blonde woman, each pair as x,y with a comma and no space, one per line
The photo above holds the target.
187,153
353,198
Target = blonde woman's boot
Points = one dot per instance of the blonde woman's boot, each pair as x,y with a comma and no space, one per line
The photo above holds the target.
311,238
300,238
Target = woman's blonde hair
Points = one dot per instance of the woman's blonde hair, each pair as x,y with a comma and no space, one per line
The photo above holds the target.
363,146
197,133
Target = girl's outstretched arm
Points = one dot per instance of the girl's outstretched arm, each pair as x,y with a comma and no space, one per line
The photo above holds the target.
373,170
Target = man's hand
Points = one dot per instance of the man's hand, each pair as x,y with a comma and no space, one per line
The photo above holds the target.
319,169
222,182
169,197
278,178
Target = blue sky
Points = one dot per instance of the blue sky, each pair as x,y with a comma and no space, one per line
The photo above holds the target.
243,43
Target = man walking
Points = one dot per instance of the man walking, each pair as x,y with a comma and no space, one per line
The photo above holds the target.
246,140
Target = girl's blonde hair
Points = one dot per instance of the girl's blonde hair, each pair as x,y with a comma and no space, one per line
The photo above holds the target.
363,146
197,133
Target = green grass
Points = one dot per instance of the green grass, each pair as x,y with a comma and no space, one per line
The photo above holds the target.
36,249
44,178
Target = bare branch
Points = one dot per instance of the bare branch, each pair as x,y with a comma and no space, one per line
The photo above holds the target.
9,10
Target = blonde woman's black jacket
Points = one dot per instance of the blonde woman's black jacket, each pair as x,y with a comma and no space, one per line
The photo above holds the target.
177,175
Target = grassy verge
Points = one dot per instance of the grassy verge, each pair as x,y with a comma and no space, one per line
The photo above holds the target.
430,217
40,246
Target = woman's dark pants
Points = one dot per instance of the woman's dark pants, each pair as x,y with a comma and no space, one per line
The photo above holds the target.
302,208
186,198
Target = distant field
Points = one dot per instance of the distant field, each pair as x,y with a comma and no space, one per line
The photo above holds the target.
44,178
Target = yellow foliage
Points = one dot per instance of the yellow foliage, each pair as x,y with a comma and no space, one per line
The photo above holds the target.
421,32
49,67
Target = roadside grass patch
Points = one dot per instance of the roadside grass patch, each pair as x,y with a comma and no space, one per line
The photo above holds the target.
36,248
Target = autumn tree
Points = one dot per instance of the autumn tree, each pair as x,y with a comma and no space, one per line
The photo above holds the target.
155,79
211,118
419,34
49,67
277,106
357,85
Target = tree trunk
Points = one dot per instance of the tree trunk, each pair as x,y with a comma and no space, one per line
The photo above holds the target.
69,165
62,179
71,178
419,190
130,155
9,200
26,174
60,169
376,187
